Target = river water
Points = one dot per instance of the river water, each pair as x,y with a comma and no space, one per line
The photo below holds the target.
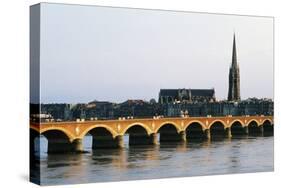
240,155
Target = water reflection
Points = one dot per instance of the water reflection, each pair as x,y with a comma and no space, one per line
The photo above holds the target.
108,156
195,157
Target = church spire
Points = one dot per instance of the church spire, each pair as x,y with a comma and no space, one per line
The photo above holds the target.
234,56
234,76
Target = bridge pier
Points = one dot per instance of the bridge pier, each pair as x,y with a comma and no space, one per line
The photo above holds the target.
246,128
207,134
120,141
228,132
154,139
261,130
183,136
77,145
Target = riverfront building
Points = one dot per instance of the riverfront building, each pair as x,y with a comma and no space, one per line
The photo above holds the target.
220,108
144,109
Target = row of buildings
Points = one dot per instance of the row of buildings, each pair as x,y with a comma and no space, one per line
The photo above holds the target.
145,109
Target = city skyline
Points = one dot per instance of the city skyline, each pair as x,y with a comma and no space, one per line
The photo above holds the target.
133,58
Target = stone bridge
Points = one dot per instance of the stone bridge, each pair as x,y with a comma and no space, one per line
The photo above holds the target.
68,136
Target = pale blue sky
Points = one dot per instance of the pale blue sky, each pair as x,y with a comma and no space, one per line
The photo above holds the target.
101,53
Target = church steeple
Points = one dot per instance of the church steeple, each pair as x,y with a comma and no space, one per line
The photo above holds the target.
234,76
234,56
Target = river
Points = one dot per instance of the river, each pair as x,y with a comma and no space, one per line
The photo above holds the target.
240,155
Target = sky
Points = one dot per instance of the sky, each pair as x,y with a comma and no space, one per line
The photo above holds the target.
113,54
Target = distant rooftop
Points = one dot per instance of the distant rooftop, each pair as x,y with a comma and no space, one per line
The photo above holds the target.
194,92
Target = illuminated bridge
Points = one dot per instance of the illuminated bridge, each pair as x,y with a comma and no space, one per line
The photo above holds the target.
67,136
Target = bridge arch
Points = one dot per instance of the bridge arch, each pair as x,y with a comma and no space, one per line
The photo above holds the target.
169,132
235,121
267,127
69,135
138,133
102,136
253,120
147,129
271,122
177,127
253,127
35,129
195,130
59,140
218,121
237,128
217,129
109,129
195,121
